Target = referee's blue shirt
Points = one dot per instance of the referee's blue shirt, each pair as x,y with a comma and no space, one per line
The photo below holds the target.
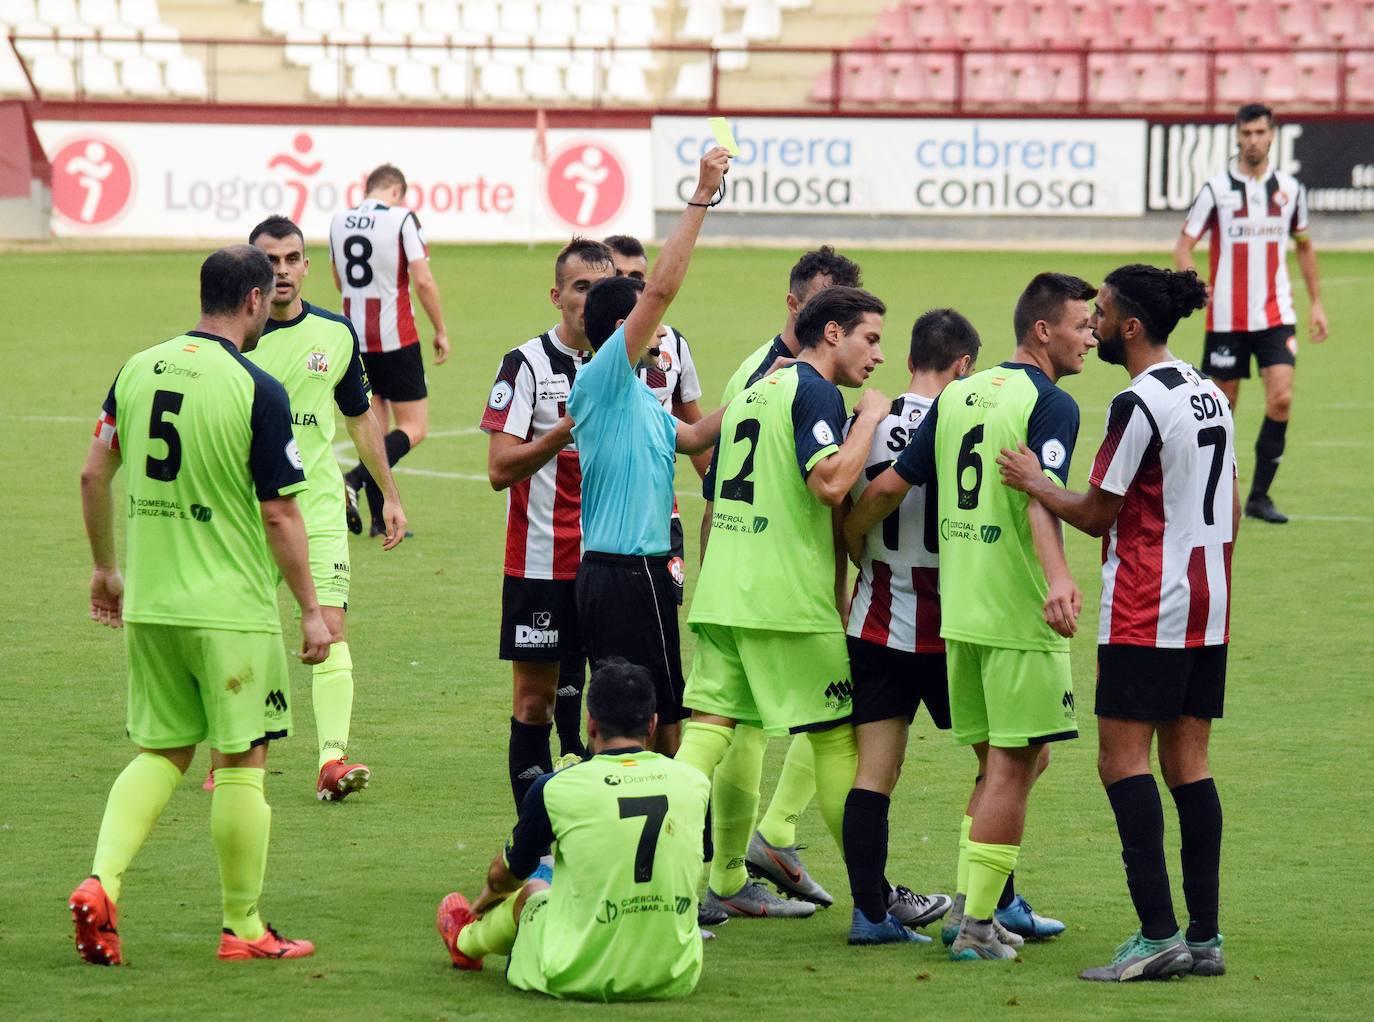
625,442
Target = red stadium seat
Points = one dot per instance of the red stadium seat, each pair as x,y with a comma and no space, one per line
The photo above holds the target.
1281,83
1157,82
1301,24
1359,89
1259,24
1219,25
1345,21
1137,22
1191,87
895,28
870,84
1014,24
973,23
935,28
1238,80
1317,77
1111,82
1095,24
1055,25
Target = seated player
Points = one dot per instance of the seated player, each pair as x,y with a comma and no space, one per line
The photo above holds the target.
617,921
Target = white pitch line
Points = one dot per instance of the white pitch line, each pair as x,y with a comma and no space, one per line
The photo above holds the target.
434,473
48,418
1330,518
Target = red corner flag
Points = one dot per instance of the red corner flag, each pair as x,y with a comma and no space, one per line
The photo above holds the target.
540,152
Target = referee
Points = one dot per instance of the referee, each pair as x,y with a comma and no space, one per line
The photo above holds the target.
625,439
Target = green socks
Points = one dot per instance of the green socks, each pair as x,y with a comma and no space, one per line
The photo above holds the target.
493,934
136,800
703,745
735,807
961,871
240,821
332,696
988,869
796,788
837,760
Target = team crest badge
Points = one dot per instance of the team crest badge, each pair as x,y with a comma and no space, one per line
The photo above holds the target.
675,569
318,362
1280,198
665,361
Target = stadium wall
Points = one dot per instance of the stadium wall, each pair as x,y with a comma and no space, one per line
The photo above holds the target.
212,172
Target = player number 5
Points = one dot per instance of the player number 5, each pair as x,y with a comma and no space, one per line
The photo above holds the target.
165,402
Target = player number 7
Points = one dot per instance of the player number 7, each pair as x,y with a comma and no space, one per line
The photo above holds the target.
654,809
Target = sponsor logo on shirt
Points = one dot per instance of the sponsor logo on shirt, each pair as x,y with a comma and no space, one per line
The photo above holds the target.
952,529
615,780
1222,358
983,401
162,366
1263,232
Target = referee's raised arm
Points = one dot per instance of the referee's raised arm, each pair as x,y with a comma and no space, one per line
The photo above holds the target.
671,266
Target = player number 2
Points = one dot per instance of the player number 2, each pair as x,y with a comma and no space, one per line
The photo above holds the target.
654,809
741,487
165,402
968,495
1215,438
357,251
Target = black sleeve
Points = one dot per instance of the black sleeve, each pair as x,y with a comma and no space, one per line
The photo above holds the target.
353,395
533,832
916,463
272,458
1053,430
818,418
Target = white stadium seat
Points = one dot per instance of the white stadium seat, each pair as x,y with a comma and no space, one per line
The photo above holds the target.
162,43
402,16
454,79
499,81
281,17
101,14
139,14
186,78
693,82
626,83
324,78
96,73
416,81
141,75
371,79
543,80
439,19
53,74
12,79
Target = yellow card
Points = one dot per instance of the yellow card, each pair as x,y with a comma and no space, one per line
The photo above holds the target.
721,130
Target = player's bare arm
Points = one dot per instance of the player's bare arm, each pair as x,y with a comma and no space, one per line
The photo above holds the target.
338,281
501,884
97,509
1064,600
690,412
1183,256
880,498
285,529
671,266
701,435
1092,512
1318,329
368,438
427,289
511,459
831,478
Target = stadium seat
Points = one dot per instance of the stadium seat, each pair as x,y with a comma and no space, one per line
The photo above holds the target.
12,79
303,47
1054,26
162,43
1344,21
1157,82
1238,80
499,81
1259,24
1111,81
895,28
935,27
542,80
1137,22
1316,77
973,23
96,74
762,20
988,82
58,13
1014,24
1359,88
281,16
1190,90
323,81
322,16
99,14
415,80
871,84
822,86
557,24
403,17
636,21
1095,23
186,78
519,21
733,52
18,12
1301,24
431,55
701,22
627,84
582,78
141,75
595,24
370,79
453,78
1281,84
363,16
1219,25
693,83
121,46
53,75
440,20
139,14
481,20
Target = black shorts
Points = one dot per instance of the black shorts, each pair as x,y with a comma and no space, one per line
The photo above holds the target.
677,568
396,375
1226,356
539,620
890,683
626,607
1145,683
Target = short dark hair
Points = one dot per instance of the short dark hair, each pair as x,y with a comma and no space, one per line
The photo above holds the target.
276,226
593,253
1158,298
620,698
940,338
609,300
1253,112
384,177
824,260
844,306
1045,297
229,276
624,244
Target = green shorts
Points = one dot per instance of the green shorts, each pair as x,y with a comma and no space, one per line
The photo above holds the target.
329,567
190,685
1009,698
777,681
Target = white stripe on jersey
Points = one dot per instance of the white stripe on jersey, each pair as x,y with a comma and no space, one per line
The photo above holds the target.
372,246
1250,221
896,599
1166,563
543,512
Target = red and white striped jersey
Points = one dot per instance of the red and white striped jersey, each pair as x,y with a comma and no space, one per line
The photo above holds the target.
896,599
1250,221
1166,563
543,512
671,375
372,246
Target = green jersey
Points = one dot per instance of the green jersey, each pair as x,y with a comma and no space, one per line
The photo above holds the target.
621,919
201,431
992,587
315,356
770,560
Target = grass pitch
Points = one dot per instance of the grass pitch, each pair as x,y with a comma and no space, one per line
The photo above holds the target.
362,878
